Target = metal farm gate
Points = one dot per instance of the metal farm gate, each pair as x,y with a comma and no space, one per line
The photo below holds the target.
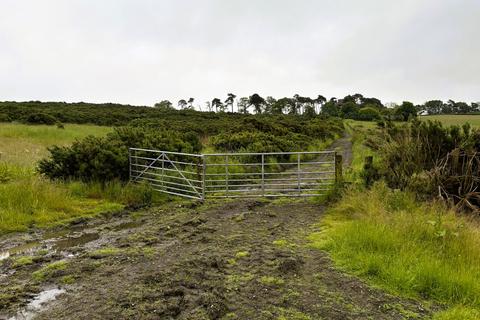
236,175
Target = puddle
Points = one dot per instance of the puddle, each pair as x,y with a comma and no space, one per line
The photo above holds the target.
67,243
60,244
4,255
24,248
128,225
37,304
63,232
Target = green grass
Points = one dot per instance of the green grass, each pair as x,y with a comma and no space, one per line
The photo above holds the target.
413,249
37,202
22,261
455,119
358,131
24,145
33,201
50,270
458,313
271,281
28,200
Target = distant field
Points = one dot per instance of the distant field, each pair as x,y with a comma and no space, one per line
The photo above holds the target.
473,119
26,144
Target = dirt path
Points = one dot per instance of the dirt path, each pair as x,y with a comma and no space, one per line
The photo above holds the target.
239,259
344,145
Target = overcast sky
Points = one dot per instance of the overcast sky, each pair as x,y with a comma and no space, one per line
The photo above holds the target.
143,51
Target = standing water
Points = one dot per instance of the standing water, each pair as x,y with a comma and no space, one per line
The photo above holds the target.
37,304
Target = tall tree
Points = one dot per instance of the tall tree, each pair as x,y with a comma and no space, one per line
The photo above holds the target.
257,102
406,111
358,98
190,103
229,101
182,103
164,105
298,105
462,107
433,106
243,104
269,102
331,108
320,101
282,105
217,104
475,106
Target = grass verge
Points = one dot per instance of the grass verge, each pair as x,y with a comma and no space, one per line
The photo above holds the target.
28,200
413,249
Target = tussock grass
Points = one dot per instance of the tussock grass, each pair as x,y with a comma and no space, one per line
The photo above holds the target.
128,194
35,201
28,200
458,313
413,249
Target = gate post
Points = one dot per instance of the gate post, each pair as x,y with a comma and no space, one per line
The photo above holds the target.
299,186
163,170
263,174
204,172
129,164
338,168
226,175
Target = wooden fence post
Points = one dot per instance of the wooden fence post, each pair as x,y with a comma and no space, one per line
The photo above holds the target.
369,171
338,168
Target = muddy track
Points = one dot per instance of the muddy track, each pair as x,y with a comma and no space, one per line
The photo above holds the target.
239,259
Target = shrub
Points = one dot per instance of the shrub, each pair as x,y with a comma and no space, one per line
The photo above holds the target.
40,118
105,159
429,159
258,142
368,114
4,117
420,146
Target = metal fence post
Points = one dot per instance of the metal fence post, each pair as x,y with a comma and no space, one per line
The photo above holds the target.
298,173
226,175
263,174
129,164
163,170
204,169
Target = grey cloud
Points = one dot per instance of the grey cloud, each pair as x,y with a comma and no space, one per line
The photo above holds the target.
141,51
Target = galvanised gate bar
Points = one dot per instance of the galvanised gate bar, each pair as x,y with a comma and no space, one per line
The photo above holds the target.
236,175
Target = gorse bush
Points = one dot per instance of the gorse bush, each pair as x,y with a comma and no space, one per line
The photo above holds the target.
430,159
4,117
368,114
259,142
106,158
40,118
284,134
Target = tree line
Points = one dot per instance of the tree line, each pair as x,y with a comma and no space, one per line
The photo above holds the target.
354,106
